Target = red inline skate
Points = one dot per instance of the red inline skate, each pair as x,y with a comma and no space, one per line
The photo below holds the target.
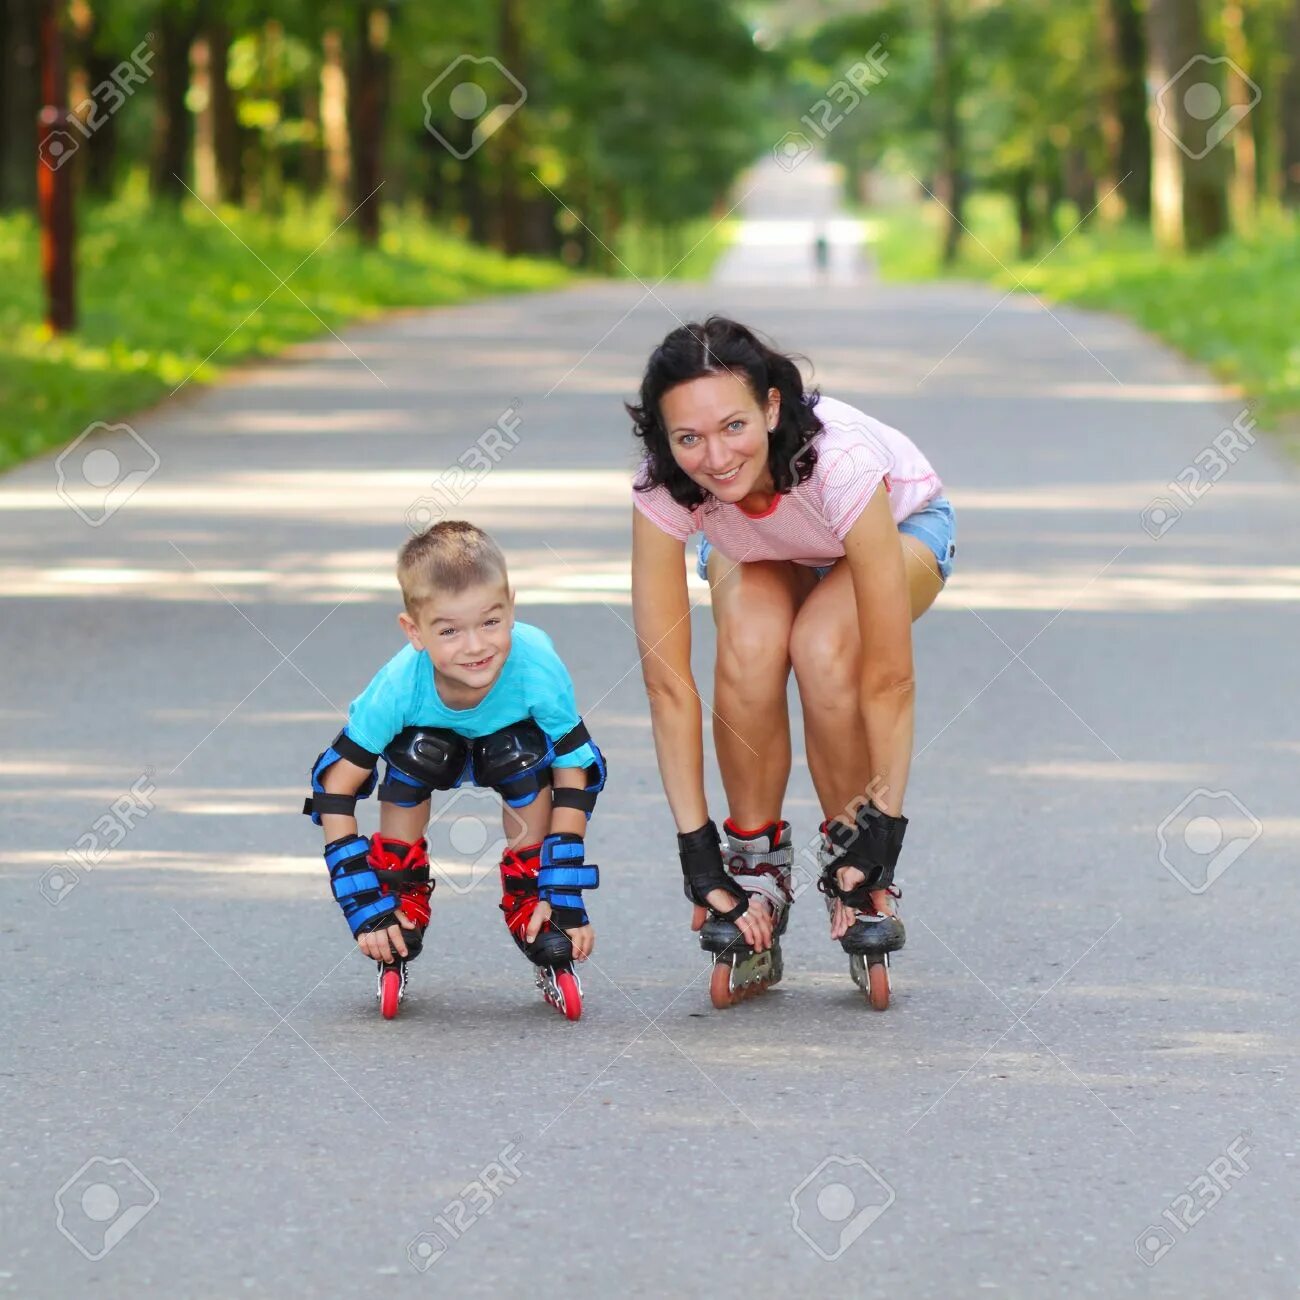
403,871
551,952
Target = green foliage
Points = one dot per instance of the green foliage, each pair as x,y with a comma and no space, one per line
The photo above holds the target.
170,299
1235,307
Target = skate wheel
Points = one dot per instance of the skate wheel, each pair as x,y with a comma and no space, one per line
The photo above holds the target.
570,995
720,991
878,985
390,992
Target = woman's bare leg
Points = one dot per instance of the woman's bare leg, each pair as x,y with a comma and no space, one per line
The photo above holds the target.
825,648
754,608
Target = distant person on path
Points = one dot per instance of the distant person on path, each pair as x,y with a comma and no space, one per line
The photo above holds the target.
474,699
826,534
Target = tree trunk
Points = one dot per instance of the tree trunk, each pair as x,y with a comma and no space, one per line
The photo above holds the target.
313,149
205,132
509,145
368,87
334,120
1189,197
950,181
20,101
1290,112
1125,130
1080,183
225,122
1242,95
89,69
171,135
1022,191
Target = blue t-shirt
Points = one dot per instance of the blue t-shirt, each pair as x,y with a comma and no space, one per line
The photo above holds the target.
534,683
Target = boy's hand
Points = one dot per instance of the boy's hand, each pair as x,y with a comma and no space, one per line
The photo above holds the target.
583,940
386,944
583,937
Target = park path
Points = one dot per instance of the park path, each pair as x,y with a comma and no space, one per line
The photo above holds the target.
1077,1037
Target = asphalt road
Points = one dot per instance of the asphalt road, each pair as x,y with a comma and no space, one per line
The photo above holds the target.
1091,1057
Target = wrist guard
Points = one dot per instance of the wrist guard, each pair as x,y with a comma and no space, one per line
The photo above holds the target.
356,887
872,845
562,876
701,857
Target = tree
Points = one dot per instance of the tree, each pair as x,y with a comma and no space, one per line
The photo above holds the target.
1290,109
176,26
950,181
1189,199
1124,125
20,100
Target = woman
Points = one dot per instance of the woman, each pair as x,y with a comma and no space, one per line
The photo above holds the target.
826,535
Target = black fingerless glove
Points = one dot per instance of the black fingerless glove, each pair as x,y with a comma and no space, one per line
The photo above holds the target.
872,844
702,870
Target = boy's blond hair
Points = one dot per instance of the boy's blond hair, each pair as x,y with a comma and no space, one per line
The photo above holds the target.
447,558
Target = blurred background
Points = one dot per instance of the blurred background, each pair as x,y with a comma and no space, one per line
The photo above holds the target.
1139,155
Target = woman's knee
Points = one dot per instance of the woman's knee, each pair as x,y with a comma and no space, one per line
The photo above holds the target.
825,658
753,657
754,608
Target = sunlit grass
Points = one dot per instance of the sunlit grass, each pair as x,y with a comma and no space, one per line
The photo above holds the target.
168,297
1235,307
687,253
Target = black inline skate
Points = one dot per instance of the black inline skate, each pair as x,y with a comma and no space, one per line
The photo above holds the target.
871,845
759,863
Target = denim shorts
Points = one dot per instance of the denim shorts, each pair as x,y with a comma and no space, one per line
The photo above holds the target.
935,525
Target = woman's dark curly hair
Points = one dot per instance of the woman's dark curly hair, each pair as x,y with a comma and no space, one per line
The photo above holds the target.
717,346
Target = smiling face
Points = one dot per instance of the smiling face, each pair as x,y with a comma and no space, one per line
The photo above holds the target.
466,635
718,434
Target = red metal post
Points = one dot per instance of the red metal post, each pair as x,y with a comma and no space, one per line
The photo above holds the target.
56,143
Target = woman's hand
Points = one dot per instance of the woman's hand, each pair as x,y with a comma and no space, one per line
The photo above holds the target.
755,925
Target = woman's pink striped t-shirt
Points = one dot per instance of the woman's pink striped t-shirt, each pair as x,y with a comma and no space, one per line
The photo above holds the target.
808,524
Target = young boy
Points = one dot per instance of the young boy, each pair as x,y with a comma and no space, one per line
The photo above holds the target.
475,698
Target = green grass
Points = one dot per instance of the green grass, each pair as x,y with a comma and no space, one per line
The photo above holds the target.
166,298
686,253
1235,307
